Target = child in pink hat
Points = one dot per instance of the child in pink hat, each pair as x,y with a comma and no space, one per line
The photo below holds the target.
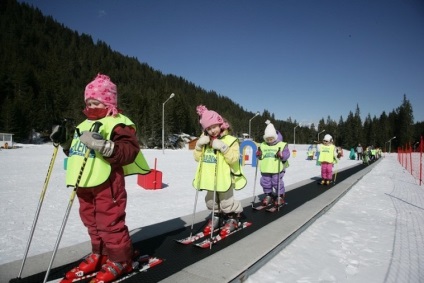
101,188
219,171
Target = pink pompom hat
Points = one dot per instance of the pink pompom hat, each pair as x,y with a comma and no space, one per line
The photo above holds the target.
209,118
105,91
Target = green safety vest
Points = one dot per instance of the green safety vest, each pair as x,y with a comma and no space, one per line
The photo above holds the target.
269,163
97,169
213,173
327,153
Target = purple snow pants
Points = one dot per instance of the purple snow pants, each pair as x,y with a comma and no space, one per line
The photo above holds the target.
270,181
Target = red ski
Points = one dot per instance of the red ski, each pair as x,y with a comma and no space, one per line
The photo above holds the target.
276,207
194,238
208,242
141,264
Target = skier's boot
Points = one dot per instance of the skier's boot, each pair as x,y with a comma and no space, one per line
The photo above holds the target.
267,200
328,182
231,223
216,219
280,201
90,264
112,270
323,182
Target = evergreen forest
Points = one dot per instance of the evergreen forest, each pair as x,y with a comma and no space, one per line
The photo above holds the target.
45,66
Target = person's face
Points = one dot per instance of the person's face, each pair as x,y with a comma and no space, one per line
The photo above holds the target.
270,140
213,130
94,103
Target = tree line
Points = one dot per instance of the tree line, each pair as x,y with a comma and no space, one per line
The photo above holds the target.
45,66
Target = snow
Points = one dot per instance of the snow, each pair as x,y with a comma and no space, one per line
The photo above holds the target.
375,233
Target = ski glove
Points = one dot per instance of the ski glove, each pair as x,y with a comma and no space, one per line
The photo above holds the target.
63,135
279,154
95,141
259,153
203,140
220,145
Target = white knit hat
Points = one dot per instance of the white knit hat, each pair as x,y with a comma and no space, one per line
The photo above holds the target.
270,131
327,138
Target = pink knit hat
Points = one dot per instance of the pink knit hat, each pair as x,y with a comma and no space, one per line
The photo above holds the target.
209,118
105,91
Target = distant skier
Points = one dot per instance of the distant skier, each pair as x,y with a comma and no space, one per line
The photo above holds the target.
327,158
359,151
273,154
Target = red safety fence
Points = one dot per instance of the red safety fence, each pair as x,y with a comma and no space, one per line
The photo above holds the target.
411,158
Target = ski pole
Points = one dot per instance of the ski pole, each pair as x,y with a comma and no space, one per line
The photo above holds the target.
335,175
254,184
197,191
40,204
95,127
278,180
214,199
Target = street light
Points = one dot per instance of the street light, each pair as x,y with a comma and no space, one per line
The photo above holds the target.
163,122
250,120
390,144
385,148
415,145
294,136
320,133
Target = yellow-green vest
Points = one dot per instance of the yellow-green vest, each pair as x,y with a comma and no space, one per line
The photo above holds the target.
213,173
269,163
326,153
97,169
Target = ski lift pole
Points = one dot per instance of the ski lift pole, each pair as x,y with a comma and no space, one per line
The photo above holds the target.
40,204
95,127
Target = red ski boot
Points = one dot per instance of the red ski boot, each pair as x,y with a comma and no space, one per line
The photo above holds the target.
208,228
112,271
90,264
280,201
230,225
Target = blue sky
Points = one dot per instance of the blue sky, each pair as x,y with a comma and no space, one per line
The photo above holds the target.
305,60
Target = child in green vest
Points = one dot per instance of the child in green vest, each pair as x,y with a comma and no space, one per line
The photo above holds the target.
219,171
327,158
273,154
101,188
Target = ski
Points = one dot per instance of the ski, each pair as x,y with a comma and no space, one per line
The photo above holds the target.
145,264
331,183
194,238
208,242
276,207
260,207
142,263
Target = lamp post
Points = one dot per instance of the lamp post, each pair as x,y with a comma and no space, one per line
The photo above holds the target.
390,144
415,145
250,120
294,136
163,122
320,133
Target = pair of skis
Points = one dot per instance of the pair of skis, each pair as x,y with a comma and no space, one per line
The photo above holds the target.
141,264
269,208
207,243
